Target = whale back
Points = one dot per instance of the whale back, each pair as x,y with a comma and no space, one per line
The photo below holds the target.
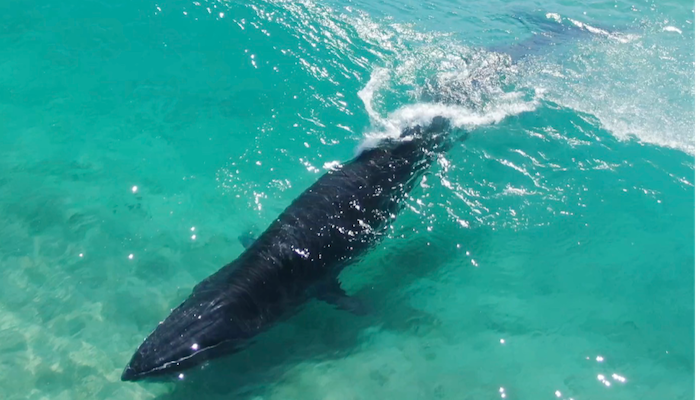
299,256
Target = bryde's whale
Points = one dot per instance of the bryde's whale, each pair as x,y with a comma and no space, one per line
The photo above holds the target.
297,258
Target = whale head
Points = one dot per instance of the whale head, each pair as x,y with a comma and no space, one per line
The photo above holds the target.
200,329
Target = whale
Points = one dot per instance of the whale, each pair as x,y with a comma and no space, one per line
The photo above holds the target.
297,259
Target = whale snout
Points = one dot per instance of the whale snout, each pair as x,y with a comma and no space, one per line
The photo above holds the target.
130,374
169,350
133,374
146,361
199,329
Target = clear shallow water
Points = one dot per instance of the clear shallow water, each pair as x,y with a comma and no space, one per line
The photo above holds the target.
551,255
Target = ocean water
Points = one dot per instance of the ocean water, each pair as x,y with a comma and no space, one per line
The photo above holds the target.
550,255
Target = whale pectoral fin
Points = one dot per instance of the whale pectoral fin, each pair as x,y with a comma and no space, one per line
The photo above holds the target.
335,295
247,239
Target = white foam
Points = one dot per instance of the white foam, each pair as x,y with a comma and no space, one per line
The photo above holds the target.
554,16
460,117
672,29
379,78
622,38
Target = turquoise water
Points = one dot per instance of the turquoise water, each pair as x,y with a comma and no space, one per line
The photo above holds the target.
548,256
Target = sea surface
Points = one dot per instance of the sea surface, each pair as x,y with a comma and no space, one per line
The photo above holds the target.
550,255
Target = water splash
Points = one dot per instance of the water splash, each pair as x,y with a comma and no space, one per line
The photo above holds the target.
464,85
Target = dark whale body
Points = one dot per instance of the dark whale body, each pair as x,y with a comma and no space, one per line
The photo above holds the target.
298,257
